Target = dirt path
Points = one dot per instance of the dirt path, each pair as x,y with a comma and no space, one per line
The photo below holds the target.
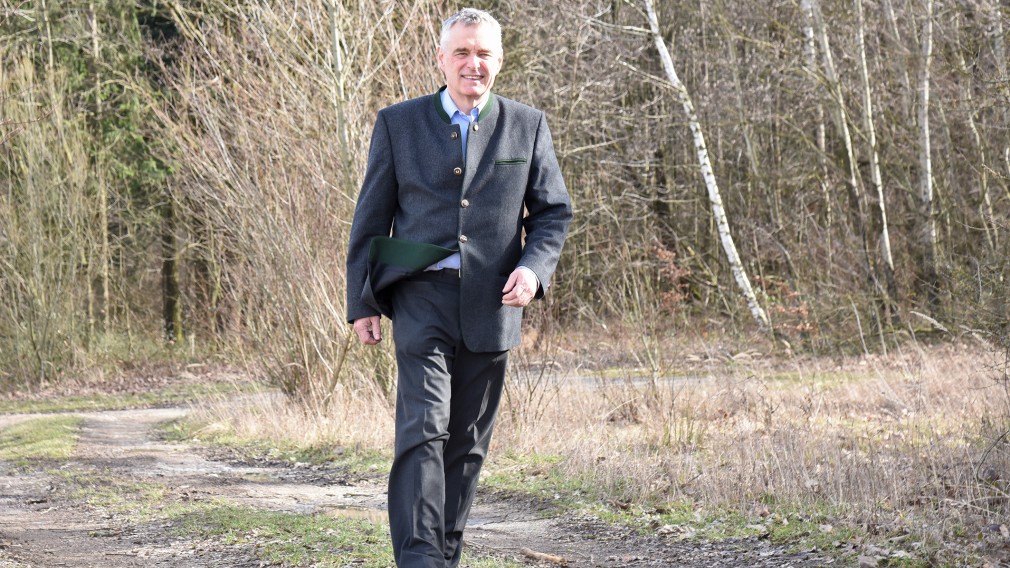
42,527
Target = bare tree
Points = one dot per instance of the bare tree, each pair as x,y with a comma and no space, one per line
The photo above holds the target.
876,178
104,257
927,219
899,46
840,115
714,197
811,66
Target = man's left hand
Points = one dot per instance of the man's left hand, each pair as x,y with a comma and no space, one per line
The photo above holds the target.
521,287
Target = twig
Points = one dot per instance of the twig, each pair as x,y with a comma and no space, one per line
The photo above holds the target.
543,557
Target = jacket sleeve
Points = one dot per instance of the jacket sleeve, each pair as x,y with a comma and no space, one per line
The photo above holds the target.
373,216
549,210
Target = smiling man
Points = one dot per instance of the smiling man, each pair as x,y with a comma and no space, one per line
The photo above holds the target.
437,245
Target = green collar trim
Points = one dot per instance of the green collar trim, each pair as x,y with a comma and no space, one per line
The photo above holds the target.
437,101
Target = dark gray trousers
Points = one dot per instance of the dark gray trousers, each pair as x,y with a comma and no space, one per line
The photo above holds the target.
446,403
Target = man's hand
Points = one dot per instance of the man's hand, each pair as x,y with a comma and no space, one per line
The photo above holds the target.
368,330
522,285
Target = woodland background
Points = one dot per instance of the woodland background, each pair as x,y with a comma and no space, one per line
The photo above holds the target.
186,171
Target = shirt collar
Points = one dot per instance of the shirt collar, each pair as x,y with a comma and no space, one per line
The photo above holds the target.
451,108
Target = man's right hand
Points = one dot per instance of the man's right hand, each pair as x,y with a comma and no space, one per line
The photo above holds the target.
368,330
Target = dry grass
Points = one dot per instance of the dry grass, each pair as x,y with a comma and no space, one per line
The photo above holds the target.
353,419
892,443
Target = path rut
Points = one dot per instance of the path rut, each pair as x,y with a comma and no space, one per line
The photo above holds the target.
40,527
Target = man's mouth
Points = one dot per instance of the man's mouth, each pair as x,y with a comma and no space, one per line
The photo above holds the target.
473,77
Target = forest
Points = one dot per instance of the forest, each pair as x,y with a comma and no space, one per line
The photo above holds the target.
818,176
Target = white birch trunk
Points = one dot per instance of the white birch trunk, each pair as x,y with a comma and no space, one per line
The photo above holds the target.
340,100
714,197
810,54
999,53
928,222
838,108
841,120
875,176
892,19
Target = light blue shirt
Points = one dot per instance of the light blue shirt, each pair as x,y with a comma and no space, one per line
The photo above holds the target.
457,117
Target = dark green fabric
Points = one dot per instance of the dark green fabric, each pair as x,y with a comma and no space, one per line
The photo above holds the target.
405,254
391,260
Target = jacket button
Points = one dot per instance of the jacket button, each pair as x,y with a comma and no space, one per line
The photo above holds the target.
454,135
476,127
462,238
465,203
458,171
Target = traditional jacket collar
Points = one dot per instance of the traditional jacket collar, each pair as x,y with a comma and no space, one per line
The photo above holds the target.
437,101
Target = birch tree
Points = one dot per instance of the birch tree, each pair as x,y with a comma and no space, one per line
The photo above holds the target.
840,118
714,196
927,230
985,207
875,176
899,47
810,60
340,96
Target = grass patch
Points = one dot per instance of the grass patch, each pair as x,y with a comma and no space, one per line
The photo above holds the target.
49,438
539,476
288,539
799,527
275,537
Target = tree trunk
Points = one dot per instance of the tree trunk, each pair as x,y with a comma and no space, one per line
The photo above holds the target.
714,196
1000,55
171,301
810,55
340,99
890,304
927,220
892,19
840,118
104,260
984,205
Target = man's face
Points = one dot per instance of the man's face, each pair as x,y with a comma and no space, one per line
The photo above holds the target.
470,61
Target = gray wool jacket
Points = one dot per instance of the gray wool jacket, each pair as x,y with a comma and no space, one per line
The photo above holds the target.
418,188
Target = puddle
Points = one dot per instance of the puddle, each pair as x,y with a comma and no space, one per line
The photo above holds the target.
356,513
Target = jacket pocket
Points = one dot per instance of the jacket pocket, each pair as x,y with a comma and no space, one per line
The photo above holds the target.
510,162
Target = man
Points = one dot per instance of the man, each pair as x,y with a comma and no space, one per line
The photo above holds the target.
437,245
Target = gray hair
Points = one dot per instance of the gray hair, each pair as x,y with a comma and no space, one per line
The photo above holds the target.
470,17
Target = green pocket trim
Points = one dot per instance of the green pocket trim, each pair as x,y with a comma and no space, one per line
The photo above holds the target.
510,162
406,254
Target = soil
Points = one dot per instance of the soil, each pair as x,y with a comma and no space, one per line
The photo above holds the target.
43,527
